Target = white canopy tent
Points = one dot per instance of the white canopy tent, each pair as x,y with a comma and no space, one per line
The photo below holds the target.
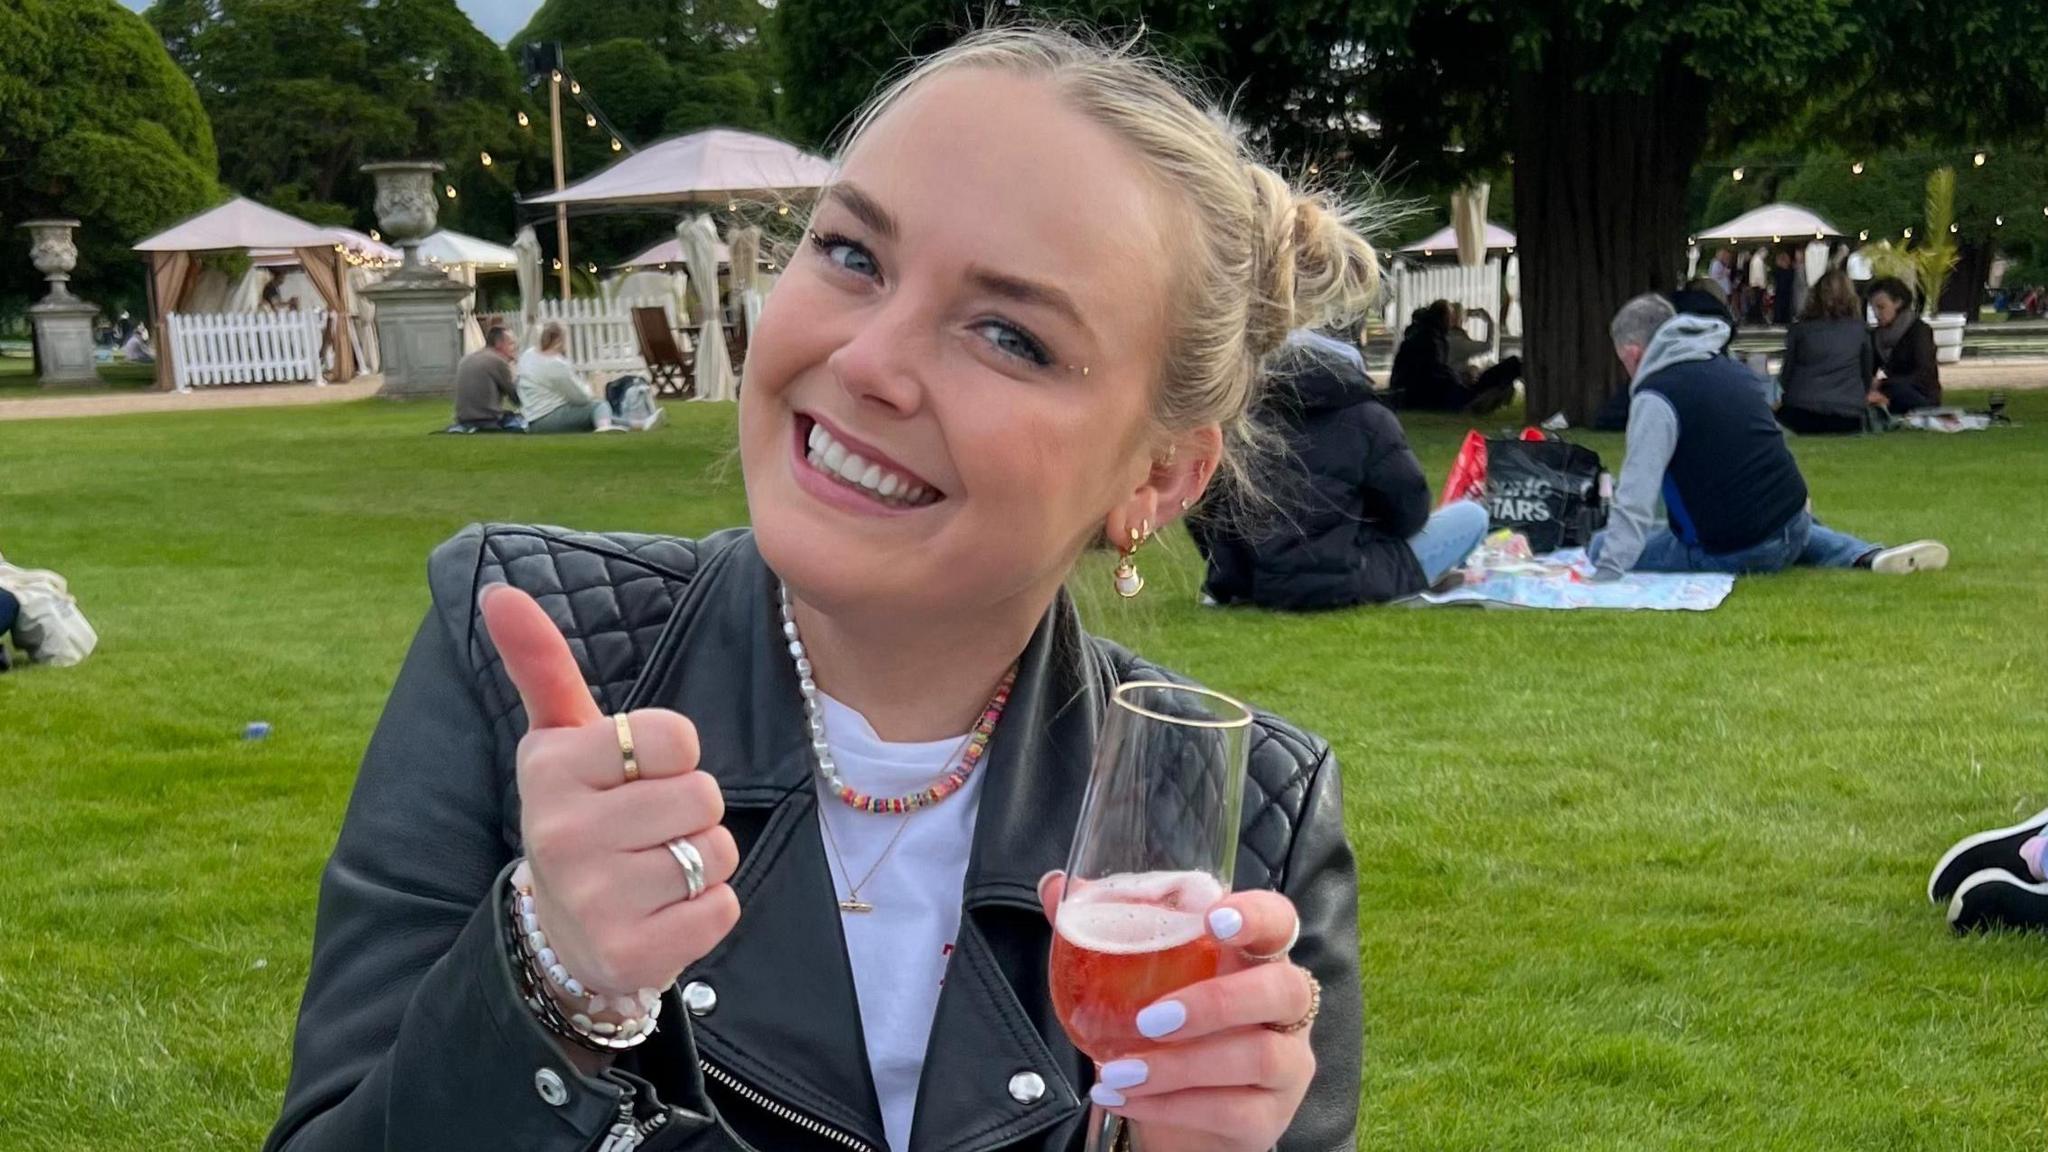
244,225
1776,223
708,167
669,253
1444,241
464,257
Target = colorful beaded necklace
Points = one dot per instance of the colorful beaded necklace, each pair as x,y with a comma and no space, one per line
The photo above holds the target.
828,771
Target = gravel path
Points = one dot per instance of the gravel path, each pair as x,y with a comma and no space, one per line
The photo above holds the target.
58,406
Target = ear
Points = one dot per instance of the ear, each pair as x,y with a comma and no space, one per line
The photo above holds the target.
1181,471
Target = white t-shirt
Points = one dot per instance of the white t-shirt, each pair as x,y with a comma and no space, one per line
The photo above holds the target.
899,950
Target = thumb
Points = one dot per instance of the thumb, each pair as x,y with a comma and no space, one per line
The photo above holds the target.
1052,888
537,659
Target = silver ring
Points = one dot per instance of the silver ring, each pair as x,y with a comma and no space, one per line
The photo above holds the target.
1283,953
693,866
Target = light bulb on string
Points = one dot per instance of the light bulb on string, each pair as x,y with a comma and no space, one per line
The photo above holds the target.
575,89
1953,228
732,206
486,158
375,235
616,146
554,265
782,209
1978,159
1998,221
1314,170
1856,169
1909,233
450,190
1863,235
1737,176
524,122
591,268
556,75
589,120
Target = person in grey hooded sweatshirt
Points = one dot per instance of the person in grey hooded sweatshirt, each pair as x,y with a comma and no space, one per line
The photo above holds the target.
1701,435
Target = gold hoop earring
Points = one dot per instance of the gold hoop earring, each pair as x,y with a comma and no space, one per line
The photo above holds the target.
1128,580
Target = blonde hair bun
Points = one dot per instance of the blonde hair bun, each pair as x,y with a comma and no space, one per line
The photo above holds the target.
1313,267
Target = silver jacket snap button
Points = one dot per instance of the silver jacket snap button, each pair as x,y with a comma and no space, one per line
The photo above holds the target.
1027,1087
550,1086
700,998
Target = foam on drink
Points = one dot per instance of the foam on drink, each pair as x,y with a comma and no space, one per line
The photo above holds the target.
1123,942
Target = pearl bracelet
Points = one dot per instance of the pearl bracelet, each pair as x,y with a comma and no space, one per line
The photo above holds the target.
539,967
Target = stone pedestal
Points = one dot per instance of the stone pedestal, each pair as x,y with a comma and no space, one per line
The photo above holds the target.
64,348
419,333
62,322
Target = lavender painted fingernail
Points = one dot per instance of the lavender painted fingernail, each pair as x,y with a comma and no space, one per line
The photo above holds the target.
1162,1019
1106,1096
1120,1074
1225,922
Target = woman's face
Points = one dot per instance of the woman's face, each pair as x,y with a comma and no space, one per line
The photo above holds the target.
979,315
1886,308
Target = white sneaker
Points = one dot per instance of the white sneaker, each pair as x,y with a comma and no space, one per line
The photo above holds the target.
651,421
607,426
1919,556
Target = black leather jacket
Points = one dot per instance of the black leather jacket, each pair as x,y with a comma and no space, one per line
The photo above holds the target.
413,1036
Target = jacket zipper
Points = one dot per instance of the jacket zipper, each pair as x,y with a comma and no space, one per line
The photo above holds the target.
625,1135
778,1109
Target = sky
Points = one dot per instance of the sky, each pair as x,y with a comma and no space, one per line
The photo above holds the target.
498,18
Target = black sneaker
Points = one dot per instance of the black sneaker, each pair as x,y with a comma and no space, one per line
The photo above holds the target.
1995,898
1998,848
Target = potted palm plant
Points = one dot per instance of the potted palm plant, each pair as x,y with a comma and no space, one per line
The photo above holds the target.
1934,259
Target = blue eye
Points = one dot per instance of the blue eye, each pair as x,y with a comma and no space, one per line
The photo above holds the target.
847,254
1013,341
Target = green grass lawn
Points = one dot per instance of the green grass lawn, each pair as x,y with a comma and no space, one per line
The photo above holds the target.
18,380
1628,881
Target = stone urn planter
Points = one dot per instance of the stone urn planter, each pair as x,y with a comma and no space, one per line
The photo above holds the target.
419,309
1948,336
62,322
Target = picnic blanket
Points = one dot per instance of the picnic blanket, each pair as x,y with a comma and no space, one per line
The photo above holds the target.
1563,580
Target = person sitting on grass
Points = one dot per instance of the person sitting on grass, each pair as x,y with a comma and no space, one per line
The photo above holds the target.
1353,524
1427,378
553,397
1829,362
1701,435
486,388
1909,376
1996,879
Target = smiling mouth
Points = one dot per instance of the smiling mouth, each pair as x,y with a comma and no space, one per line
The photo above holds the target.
849,469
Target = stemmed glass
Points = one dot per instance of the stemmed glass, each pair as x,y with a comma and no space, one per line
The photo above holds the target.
1153,852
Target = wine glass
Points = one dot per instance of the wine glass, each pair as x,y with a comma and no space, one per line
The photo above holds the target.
1153,852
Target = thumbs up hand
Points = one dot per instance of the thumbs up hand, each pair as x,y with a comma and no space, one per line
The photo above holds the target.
609,894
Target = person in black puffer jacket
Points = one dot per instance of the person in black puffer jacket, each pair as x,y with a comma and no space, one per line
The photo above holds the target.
1353,524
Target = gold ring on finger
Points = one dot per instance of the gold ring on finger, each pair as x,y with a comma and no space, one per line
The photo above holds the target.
625,730
692,863
1315,1005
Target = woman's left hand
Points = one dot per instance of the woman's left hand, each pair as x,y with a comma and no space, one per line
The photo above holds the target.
1233,1060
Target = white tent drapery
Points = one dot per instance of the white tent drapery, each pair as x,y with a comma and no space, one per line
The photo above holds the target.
1468,223
528,249
714,361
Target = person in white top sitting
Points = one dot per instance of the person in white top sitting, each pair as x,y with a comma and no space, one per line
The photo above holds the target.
552,393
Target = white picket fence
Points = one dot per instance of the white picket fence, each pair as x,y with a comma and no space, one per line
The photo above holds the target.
209,349
601,337
1417,286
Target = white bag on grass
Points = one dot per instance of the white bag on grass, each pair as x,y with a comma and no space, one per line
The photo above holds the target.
50,628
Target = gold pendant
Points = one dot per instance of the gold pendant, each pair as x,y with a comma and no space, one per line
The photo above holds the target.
852,905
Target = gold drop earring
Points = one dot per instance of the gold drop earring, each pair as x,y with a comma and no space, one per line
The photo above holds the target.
1129,582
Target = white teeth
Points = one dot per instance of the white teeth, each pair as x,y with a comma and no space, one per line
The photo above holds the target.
829,456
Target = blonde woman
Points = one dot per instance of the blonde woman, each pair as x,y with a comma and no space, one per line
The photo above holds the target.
726,867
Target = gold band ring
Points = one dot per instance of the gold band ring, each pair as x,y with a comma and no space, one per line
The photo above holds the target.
625,731
1315,1005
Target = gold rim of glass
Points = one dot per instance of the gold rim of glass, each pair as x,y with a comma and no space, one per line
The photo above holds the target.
1242,720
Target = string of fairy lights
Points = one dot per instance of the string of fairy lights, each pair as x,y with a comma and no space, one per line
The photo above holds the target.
1979,157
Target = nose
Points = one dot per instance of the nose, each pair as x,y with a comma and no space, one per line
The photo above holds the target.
884,362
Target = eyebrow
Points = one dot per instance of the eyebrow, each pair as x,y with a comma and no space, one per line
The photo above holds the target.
864,208
1027,292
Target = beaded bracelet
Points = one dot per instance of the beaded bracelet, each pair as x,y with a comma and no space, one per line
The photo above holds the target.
539,967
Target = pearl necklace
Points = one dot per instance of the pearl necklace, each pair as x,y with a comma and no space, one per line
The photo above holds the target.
828,771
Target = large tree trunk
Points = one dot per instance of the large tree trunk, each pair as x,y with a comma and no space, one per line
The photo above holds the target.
1600,184
1965,289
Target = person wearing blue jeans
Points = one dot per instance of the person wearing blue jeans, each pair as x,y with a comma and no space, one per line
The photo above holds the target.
10,610
1449,536
1702,438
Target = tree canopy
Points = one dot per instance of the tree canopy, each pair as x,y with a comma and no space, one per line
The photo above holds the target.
96,123
304,92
